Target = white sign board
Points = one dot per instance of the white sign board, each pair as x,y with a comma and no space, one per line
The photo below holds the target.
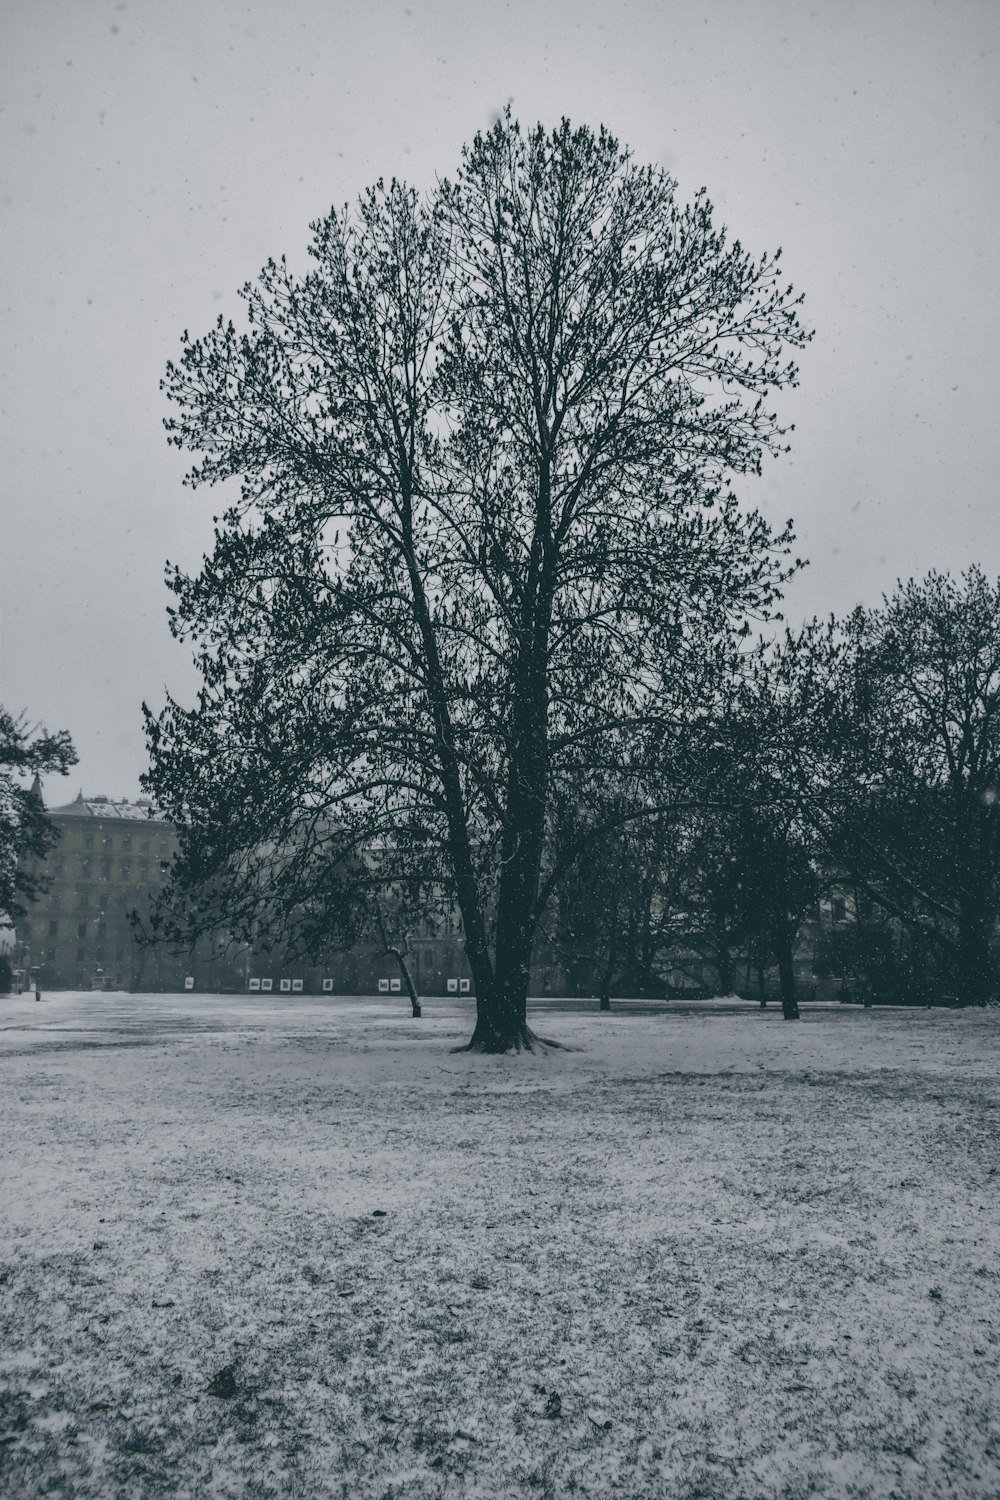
463,985
394,986
189,983
267,985
453,986
383,986
328,986
296,986
255,984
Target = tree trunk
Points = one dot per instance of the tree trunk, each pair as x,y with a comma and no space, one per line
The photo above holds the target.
501,1007
502,1022
724,967
974,977
786,974
501,1012
502,1004
609,968
397,954
138,967
410,990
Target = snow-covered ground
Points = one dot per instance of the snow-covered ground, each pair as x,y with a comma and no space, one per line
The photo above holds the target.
705,1254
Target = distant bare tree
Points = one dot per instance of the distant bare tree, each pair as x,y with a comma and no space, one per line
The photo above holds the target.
605,928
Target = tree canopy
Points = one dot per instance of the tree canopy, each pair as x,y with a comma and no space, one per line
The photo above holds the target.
486,553
26,834
921,828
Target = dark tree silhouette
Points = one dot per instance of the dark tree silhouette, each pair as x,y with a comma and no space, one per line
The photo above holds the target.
921,832
791,730
606,924
26,835
485,544
754,864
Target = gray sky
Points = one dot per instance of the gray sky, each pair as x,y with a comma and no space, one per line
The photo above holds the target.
154,153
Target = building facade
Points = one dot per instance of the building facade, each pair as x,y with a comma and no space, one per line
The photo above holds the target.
111,859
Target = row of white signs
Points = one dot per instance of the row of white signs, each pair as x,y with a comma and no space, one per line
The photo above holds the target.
455,986
294,986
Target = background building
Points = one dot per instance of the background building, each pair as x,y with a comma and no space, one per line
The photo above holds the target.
112,858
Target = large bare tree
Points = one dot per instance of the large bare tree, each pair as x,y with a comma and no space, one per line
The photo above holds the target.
485,552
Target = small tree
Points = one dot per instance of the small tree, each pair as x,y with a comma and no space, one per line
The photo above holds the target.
485,545
26,835
395,944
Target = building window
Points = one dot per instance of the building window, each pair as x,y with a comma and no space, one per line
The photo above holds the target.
79,955
81,931
52,955
53,928
838,909
126,870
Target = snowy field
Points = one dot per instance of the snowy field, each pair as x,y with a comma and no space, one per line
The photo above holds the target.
271,1248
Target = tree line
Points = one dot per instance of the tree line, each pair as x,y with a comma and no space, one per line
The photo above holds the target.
480,614
857,761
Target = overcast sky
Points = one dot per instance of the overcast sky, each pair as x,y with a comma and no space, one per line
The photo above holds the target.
154,153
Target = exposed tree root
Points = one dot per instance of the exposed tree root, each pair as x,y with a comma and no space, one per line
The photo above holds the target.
523,1040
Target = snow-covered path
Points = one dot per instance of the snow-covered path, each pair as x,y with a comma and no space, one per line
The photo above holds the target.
708,1253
